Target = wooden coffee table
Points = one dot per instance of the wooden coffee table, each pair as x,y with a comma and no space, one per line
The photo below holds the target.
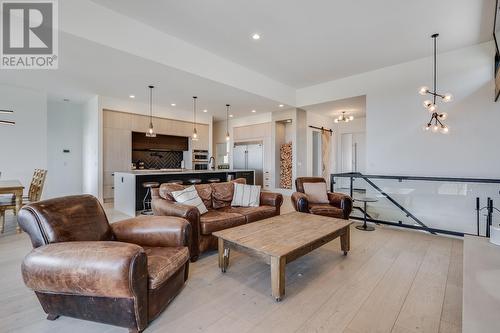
282,239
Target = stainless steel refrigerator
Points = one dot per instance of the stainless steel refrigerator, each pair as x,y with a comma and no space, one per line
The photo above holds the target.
249,156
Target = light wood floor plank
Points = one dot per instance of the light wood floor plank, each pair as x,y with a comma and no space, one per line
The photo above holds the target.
381,309
451,316
303,296
421,311
336,313
325,291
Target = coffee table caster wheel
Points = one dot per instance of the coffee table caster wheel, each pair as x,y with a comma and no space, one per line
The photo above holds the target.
345,253
223,270
278,299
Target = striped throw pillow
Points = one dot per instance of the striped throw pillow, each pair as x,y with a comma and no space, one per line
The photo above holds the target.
246,195
189,196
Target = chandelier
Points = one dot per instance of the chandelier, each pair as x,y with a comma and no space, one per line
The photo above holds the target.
343,118
436,123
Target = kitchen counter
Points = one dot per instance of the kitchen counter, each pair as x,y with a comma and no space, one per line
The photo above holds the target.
129,192
177,171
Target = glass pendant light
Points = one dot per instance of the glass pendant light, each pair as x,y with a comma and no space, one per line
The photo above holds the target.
195,132
151,132
227,122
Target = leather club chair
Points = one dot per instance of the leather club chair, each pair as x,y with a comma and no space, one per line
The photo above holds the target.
339,206
123,274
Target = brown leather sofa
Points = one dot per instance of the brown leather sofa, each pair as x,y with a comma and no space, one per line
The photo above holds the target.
123,274
217,198
339,206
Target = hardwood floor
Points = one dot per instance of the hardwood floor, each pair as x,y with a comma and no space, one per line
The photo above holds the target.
393,280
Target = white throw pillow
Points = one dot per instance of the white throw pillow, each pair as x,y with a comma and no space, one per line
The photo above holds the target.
189,196
316,192
246,195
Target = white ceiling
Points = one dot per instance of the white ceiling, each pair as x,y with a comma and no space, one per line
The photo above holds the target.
353,106
87,69
309,42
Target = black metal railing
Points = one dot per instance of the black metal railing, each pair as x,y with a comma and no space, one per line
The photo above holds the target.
447,205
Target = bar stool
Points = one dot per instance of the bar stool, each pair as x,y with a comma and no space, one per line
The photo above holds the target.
146,202
178,182
194,181
213,180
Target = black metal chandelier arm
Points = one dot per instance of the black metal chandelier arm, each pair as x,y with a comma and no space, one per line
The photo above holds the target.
439,121
435,94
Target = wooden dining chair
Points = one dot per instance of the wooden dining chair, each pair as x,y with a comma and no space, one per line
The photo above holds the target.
34,195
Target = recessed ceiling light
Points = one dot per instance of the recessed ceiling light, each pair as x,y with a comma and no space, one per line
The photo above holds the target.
205,110
253,111
256,36
173,104
281,105
131,96
230,116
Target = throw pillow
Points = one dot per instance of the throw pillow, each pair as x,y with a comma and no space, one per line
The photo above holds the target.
316,192
246,195
189,196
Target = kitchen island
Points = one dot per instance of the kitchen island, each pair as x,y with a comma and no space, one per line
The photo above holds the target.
129,192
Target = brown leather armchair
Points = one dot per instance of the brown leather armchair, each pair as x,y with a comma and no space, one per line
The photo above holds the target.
339,206
123,274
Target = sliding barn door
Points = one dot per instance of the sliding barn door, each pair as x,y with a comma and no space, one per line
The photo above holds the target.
325,153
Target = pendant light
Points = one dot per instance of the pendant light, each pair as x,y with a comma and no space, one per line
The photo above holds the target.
227,122
436,123
343,118
195,132
151,132
7,122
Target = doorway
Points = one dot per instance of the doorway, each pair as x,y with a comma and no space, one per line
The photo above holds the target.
353,152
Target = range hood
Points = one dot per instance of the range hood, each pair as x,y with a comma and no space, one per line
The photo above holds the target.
160,143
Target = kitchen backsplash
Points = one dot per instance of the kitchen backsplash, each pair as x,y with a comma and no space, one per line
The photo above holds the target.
158,160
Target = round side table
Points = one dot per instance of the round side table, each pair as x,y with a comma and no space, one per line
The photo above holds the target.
365,200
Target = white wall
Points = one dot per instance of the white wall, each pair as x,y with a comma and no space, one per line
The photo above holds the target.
24,146
396,143
302,147
92,148
64,131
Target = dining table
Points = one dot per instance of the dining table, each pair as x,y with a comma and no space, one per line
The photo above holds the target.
15,188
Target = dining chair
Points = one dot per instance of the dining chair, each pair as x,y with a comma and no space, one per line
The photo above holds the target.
34,195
